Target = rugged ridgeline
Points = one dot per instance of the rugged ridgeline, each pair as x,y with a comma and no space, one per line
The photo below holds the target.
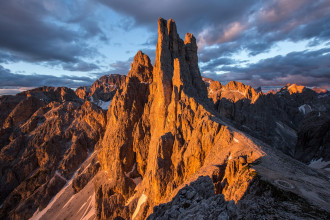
102,89
166,135
294,120
171,146
45,135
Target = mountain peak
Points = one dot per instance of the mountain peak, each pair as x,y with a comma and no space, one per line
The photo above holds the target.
294,88
141,67
171,47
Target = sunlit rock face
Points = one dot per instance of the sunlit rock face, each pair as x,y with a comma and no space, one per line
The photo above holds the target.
163,133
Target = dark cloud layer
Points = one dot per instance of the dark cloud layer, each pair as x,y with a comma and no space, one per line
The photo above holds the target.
38,31
9,79
257,23
310,68
191,15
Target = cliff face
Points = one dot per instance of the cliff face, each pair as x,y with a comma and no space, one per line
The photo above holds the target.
283,119
46,133
103,89
167,134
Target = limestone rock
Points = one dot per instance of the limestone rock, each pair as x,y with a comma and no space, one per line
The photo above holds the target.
274,118
198,200
314,138
141,68
46,134
102,90
163,133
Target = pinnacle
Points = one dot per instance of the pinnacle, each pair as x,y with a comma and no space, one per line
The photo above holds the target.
189,39
171,47
141,67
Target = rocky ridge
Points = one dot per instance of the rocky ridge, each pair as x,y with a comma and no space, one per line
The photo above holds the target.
45,135
169,134
275,118
102,90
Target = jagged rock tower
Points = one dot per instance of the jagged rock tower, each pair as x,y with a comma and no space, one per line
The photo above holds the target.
161,135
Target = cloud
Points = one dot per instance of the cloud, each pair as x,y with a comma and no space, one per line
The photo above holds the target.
9,79
79,66
212,66
310,68
191,15
47,31
120,67
123,67
12,90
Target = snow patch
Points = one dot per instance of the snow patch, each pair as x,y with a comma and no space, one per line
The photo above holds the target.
130,200
86,168
82,206
142,200
280,124
59,175
104,105
237,141
90,211
68,201
38,214
318,164
305,109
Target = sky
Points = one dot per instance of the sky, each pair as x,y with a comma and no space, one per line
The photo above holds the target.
72,43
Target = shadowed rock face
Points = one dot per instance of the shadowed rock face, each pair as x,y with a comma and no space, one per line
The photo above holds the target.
163,133
196,201
102,89
45,135
279,118
314,138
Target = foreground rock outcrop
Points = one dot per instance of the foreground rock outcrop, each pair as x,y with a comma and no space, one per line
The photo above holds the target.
196,201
